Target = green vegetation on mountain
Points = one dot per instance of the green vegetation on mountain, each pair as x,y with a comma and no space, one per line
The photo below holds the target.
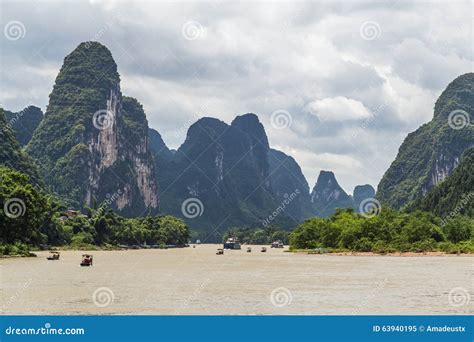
455,194
24,123
258,236
390,231
91,142
11,153
432,152
30,217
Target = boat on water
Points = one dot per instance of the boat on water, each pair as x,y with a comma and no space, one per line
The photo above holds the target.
232,243
277,244
86,260
53,256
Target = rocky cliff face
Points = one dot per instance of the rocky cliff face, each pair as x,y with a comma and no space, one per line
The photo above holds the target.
24,123
432,152
327,195
362,192
455,195
225,167
287,180
93,143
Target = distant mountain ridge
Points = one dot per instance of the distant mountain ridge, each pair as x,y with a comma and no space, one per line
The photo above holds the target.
24,123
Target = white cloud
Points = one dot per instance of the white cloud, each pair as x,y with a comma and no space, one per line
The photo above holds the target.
260,57
338,108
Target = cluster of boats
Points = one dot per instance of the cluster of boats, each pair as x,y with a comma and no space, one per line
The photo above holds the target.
233,243
87,259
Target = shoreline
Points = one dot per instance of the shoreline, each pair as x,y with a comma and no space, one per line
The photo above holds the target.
301,251
391,254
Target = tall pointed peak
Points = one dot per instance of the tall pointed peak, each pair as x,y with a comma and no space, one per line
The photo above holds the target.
251,125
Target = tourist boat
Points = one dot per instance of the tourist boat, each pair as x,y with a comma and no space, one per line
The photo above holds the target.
277,244
249,249
86,260
53,256
263,250
220,251
232,243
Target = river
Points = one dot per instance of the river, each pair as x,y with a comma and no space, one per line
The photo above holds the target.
196,281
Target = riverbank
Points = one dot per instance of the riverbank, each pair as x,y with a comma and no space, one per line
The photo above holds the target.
196,281
393,254
25,251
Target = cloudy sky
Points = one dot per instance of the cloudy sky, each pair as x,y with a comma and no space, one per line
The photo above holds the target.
337,85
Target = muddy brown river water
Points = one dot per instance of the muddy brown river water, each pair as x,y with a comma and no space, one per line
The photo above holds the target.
196,281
